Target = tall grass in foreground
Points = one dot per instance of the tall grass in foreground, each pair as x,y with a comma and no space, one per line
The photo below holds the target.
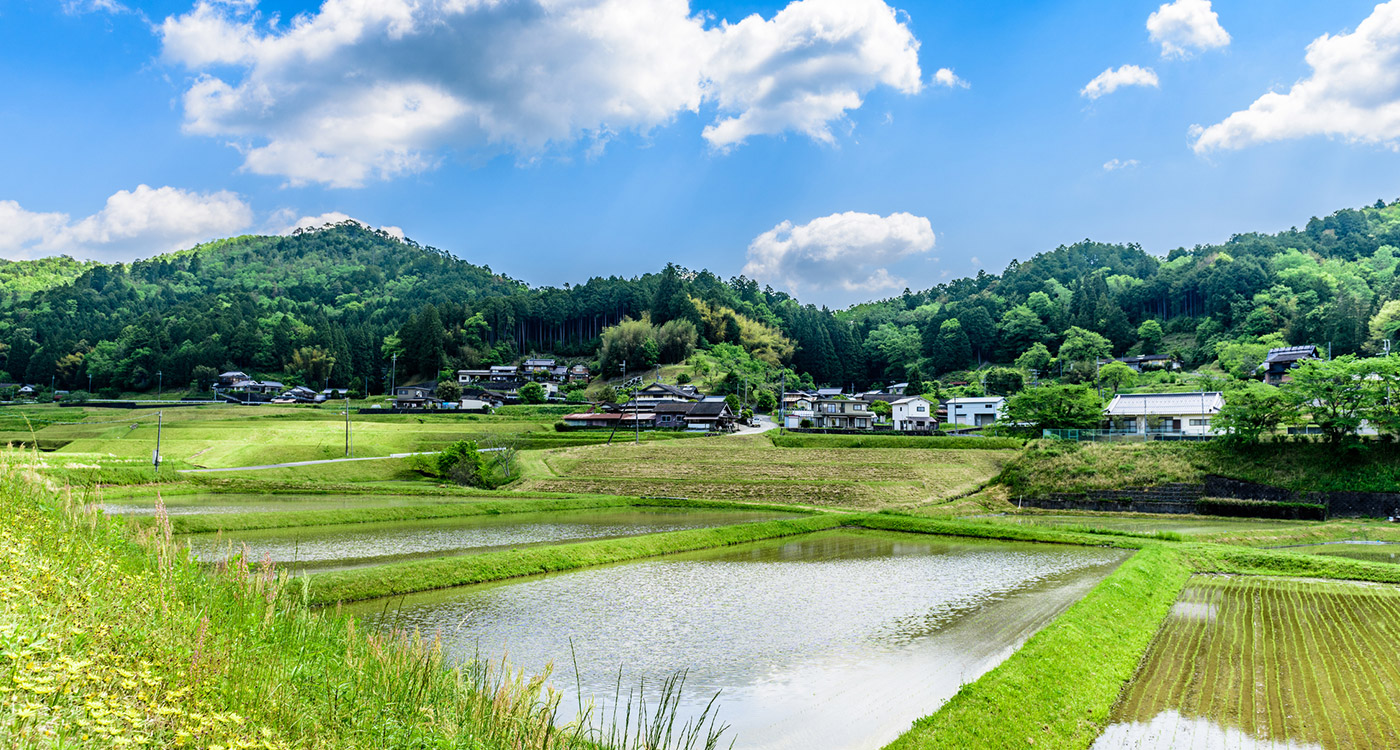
107,641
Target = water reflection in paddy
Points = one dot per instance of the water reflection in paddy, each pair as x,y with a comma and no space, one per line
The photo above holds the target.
212,503
833,640
350,545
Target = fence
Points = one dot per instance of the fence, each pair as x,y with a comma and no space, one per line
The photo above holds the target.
1122,436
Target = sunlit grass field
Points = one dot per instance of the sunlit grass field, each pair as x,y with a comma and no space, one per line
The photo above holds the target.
752,469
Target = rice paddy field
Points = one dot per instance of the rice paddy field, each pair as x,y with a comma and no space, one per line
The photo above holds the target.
752,469
1254,662
218,436
1381,552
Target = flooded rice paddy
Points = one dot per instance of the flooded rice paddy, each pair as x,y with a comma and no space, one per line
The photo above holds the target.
194,504
1252,663
835,640
1178,524
359,544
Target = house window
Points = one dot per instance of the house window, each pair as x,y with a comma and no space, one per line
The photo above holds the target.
919,409
1200,422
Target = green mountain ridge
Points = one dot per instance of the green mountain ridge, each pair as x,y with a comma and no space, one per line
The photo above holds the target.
337,302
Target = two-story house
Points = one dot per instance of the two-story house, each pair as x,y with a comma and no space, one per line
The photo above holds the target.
842,414
913,413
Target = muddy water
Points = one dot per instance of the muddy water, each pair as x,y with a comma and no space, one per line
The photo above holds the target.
354,545
832,640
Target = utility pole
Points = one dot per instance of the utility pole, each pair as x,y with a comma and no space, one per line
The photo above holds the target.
782,404
393,374
348,444
160,384
155,457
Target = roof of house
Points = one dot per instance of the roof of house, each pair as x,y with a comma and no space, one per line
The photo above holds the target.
503,368
969,400
709,408
586,416
910,399
232,373
900,385
675,407
824,392
683,391
1139,358
539,363
1152,404
1290,354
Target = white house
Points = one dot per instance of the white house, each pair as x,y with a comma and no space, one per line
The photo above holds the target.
1183,413
913,413
978,411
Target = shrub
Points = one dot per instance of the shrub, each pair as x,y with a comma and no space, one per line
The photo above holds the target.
532,393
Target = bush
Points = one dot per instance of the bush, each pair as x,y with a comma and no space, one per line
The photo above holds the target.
532,393
805,424
683,378
77,397
458,462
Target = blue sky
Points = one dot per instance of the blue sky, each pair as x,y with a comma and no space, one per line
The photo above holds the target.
723,148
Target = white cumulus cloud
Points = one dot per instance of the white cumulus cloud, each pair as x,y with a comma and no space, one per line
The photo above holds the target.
369,90
1353,93
1111,80
1184,26
946,77
847,251
1113,165
134,223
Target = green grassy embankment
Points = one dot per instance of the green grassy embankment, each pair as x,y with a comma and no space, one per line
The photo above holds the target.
1054,466
212,522
425,575
111,644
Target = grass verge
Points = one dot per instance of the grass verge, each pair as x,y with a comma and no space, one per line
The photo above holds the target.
409,577
110,643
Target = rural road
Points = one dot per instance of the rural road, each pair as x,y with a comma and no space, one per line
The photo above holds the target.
765,423
313,463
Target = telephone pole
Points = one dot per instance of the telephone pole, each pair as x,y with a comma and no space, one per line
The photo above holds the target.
348,444
155,457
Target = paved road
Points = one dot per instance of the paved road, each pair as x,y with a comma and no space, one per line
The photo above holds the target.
765,423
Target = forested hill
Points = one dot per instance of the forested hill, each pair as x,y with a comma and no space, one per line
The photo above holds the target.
337,302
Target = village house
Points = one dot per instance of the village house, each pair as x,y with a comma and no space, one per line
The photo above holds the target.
659,393
416,396
797,401
584,419
227,379
578,374
257,386
914,413
711,415
979,411
671,415
1164,413
1148,362
793,419
843,414
1277,366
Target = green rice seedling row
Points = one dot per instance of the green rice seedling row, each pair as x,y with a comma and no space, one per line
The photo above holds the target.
1257,662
